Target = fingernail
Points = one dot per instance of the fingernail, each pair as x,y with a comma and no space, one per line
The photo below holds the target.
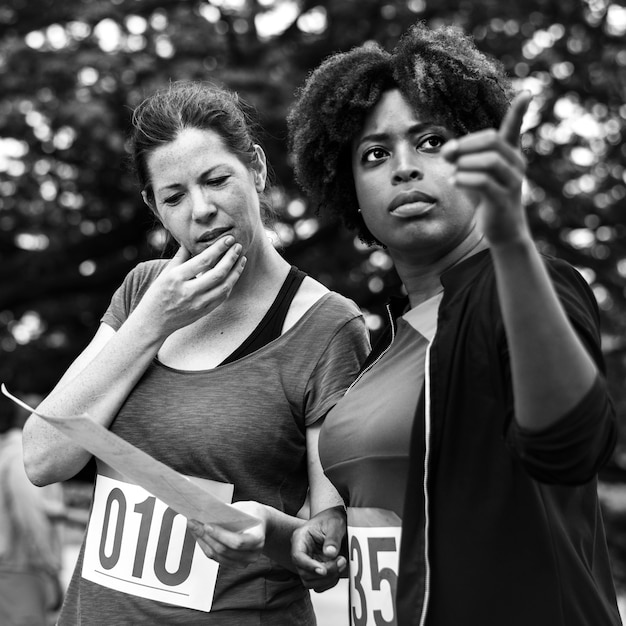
229,241
330,550
341,564
195,527
320,570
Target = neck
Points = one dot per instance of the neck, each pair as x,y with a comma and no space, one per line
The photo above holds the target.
265,268
423,280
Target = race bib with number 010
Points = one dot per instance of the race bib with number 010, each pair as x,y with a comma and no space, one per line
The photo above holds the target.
136,544
373,556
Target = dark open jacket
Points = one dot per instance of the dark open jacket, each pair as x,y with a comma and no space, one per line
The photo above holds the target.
506,529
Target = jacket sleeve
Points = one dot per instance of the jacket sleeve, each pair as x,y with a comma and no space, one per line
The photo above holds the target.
572,450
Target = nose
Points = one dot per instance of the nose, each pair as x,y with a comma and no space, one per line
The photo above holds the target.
406,168
202,206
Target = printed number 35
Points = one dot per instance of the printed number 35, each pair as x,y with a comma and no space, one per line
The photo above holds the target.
374,545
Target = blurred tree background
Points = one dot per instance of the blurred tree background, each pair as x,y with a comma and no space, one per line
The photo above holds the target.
72,222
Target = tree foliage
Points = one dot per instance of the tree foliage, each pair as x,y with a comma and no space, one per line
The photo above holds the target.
71,219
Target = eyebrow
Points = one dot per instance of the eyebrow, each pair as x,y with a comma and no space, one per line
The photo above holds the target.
413,130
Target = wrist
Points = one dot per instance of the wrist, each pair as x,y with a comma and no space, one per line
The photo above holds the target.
513,246
145,329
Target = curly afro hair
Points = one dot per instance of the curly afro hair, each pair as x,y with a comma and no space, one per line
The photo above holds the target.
439,71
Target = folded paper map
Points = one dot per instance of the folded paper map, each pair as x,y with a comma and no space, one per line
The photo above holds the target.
203,503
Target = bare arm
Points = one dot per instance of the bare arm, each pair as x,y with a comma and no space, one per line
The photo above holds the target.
101,378
97,383
273,536
551,369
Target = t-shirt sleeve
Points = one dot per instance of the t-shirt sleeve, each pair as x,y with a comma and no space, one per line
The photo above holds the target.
336,369
130,292
119,306
572,450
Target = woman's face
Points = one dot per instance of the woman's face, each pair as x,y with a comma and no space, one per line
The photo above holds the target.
202,191
402,183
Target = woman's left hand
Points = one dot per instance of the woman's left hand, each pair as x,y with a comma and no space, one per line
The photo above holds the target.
233,549
490,164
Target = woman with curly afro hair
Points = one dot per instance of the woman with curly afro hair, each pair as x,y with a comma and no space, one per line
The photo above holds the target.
468,448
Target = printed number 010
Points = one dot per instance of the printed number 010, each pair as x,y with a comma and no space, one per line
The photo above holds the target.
146,510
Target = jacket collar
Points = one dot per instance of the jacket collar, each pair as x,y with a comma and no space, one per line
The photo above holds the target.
465,271
453,279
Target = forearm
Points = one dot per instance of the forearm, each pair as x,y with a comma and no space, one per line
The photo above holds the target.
99,388
279,529
551,369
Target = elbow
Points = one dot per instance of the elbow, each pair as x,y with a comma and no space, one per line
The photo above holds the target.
41,474
572,462
41,465
572,475
573,450
35,468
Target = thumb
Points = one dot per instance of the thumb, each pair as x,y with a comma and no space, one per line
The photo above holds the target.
332,541
512,122
330,548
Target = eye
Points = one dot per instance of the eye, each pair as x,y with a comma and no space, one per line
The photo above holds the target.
173,200
217,181
431,143
374,155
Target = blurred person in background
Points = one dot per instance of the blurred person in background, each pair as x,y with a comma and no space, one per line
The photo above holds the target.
467,450
30,534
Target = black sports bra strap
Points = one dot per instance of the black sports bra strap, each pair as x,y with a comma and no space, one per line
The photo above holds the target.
270,327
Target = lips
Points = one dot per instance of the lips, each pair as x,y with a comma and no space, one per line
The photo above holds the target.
211,235
410,197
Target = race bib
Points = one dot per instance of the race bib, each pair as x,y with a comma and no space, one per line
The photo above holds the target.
373,556
136,544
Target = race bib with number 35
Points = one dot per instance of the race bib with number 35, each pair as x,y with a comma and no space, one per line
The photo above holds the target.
373,556
136,544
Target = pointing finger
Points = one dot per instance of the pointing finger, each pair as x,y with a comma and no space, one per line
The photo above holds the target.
512,122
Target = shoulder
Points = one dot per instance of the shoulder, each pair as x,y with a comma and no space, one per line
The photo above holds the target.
576,296
315,297
130,292
562,271
333,305
143,275
571,286
148,270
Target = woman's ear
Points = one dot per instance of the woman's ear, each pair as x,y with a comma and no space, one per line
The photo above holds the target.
149,200
259,168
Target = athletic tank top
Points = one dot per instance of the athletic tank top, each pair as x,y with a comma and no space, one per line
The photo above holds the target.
271,325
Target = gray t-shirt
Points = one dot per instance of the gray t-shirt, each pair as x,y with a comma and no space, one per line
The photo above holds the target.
242,423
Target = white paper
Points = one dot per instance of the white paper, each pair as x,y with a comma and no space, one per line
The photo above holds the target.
134,545
177,491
